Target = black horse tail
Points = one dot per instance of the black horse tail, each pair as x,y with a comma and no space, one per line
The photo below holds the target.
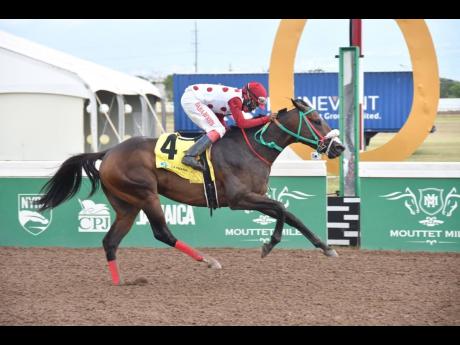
67,180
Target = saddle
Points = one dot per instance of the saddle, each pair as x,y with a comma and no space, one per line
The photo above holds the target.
170,149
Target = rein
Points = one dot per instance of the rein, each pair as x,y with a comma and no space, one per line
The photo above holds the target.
253,150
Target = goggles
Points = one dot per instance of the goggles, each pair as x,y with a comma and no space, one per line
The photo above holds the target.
262,100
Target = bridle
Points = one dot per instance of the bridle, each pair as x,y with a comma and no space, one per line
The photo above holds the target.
318,141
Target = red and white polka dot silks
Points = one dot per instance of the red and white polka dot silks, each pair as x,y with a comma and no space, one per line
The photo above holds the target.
216,97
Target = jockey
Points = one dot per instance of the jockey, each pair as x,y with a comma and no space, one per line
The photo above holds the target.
208,104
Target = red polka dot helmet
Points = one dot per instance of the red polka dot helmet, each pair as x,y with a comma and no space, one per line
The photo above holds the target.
254,95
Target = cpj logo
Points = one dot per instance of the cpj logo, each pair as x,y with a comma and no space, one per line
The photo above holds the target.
31,220
430,202
93,217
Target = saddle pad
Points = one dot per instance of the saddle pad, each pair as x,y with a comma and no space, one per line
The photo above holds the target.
170,149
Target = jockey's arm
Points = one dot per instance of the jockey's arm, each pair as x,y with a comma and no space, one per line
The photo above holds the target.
236,105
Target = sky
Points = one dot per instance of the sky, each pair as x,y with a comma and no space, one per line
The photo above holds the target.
158,47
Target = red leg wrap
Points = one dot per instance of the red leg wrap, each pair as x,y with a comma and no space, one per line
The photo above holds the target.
114,272
188,250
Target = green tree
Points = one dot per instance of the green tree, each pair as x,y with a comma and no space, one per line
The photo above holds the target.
168,83
450,88
454,91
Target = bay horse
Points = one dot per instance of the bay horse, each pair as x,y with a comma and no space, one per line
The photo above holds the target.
242,160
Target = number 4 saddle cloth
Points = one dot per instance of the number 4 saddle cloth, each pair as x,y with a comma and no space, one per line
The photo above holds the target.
170,149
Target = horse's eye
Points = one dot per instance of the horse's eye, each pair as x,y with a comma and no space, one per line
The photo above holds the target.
316,121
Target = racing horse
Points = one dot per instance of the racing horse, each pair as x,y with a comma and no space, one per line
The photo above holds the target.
242,160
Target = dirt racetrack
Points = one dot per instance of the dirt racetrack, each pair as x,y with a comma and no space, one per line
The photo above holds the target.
58,286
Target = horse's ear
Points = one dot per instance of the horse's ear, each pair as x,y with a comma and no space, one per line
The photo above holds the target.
300,104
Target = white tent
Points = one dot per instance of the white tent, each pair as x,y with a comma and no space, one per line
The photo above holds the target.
29,71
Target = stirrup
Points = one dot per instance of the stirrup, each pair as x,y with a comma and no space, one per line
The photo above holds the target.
191,161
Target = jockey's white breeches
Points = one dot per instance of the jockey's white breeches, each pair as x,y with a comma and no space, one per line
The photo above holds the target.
200,113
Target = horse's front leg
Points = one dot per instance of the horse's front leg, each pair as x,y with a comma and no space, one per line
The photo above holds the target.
295,222
253,201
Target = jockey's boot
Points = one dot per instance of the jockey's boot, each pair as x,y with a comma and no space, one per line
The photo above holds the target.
191,156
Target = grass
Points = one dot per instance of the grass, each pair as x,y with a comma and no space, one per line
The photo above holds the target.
441,146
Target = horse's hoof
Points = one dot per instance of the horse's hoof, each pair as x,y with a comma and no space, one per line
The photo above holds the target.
212,263
331,252
266,249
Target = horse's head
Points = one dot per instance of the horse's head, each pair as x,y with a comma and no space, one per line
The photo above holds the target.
314,130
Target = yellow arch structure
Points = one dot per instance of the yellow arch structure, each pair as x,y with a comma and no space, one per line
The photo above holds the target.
426,87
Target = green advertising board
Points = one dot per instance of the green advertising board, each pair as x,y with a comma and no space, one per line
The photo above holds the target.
410,206
83,221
